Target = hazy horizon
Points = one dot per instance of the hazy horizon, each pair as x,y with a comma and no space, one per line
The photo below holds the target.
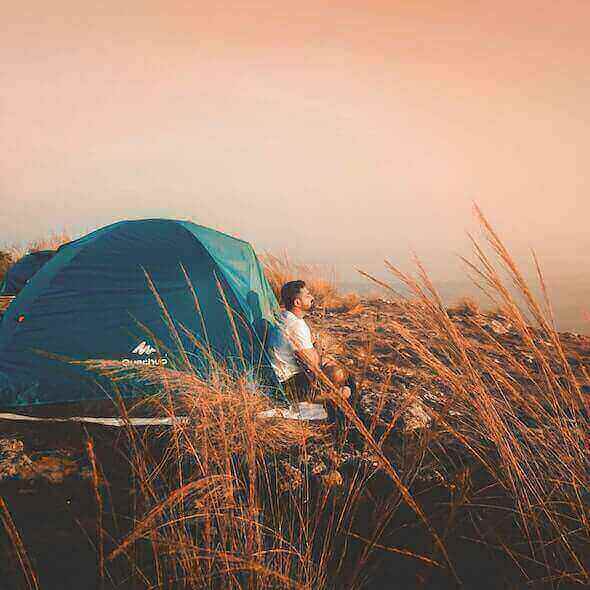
343,134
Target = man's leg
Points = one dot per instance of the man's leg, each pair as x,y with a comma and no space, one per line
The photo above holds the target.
344,426
354,396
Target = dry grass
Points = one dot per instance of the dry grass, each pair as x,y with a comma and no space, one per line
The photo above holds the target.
209,505
29,575
214,509
524,423
50,242
280,270
509,437
465,306
5,262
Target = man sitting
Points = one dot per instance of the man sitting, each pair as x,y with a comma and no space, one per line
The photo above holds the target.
296,361
293,355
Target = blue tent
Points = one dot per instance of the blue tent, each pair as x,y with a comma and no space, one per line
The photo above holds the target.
21,271
97,298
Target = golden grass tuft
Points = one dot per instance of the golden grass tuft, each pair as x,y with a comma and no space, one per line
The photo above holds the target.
467,306
280,270
50,242
5,263
203,498
217,407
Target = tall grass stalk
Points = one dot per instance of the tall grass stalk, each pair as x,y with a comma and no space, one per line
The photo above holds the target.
522,417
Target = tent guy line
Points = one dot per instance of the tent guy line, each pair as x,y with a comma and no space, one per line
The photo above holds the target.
119,422
302,411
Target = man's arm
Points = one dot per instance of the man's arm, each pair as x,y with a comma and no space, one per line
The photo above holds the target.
310,357
303,348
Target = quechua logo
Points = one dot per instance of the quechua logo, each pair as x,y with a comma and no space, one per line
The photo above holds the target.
144,349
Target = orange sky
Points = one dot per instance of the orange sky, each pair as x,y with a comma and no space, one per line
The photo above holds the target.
343,132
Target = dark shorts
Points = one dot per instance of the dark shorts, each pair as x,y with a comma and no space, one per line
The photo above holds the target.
298,387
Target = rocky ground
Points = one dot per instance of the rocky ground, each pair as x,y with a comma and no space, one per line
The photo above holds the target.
385,368
45,469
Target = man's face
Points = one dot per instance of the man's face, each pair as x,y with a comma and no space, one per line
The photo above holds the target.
305,299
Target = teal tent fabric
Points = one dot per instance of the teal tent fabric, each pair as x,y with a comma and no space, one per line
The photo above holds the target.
93,300
22,270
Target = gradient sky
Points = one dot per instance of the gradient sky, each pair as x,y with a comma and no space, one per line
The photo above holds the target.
343,132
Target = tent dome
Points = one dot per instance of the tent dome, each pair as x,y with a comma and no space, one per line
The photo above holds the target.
97,298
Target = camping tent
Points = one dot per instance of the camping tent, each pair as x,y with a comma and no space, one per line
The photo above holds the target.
19,273
108,295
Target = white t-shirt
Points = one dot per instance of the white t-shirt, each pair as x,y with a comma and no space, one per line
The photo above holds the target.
292,333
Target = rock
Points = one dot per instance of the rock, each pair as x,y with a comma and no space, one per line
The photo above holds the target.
386,406
332,479
291,479
318,468
416,418
499,328
54,469
14,464
51,466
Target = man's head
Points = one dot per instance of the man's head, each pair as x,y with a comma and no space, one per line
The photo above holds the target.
296,296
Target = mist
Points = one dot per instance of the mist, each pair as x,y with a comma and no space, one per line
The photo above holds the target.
340,134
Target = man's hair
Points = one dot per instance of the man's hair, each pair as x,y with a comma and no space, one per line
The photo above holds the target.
290,291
